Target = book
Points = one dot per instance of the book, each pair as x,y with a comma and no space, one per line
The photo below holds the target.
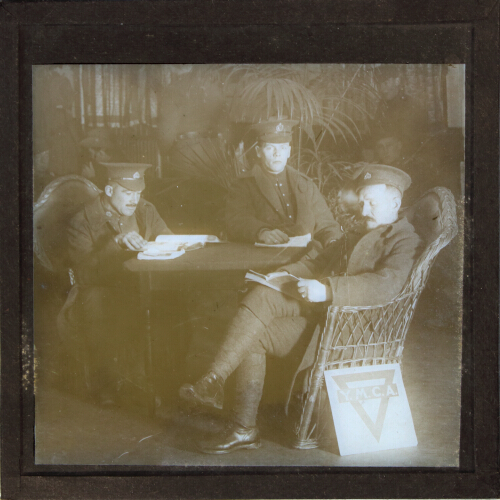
294,241
171,246
187,239
281,281
154,255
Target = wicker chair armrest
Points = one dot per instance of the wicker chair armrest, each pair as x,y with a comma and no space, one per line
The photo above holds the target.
357,309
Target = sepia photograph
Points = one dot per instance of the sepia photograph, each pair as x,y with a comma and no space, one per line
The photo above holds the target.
250,265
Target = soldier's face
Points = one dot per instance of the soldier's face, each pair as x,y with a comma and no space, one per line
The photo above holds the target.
389,150
273,157
389,88
379,205
123,200
99,155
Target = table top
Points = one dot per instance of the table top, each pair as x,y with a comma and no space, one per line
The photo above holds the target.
221,257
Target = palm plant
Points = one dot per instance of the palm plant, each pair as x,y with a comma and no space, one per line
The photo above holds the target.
325,169
264,91
334,179
325,99
322,100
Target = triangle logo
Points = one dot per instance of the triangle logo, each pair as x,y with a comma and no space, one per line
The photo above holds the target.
354,389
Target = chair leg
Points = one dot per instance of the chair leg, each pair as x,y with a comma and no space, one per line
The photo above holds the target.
303,440
150,372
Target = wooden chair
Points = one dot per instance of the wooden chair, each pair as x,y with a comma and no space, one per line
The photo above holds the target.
359,336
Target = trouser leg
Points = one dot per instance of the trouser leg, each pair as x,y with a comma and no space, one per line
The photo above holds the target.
252,334
259,308
108,326
250,376
97,335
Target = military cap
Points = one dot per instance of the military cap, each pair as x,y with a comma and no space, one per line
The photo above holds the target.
128,175
370,174
275,131
98,138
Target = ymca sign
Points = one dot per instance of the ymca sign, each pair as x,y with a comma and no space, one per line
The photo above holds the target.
375,391
370,409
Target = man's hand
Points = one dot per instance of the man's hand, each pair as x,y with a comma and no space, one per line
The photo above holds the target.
314,291
273,237
132,241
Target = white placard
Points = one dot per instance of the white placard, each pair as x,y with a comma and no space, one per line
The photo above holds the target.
370,409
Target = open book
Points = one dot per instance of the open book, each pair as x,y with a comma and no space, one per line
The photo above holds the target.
280,281
171,246
294,241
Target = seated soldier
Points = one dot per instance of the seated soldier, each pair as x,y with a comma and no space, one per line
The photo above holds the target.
101,308
277,201
360,270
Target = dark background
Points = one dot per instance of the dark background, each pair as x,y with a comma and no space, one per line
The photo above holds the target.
226,32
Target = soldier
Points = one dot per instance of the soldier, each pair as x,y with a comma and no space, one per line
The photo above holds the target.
276,201
99,148
101,306
398,115
362,270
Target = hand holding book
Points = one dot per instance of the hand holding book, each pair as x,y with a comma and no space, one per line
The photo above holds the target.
314,291
301,289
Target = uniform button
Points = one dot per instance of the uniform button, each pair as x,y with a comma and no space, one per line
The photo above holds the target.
281,185
288,204
283,194
108,214
290,216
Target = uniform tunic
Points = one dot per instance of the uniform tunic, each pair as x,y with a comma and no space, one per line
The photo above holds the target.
377,265
93,253
288,201
100,313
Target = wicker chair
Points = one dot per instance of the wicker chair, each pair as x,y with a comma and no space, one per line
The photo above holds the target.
359,336
58,203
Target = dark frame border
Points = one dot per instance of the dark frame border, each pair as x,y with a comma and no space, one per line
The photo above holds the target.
195,31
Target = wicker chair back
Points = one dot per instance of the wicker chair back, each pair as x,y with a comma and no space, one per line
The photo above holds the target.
57,204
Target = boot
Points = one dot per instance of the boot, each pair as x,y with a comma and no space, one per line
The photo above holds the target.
236,437
208,391
242,432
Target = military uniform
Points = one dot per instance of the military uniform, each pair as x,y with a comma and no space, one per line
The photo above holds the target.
371,272
93,252
294,206
270,199
364,269
100,312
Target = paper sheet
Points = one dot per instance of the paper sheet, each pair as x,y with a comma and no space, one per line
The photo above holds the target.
163,256
171,246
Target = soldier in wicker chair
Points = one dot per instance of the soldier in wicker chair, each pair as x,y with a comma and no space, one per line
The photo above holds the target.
100,312
365,268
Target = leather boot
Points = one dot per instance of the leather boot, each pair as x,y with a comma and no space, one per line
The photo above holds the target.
208,391
236,437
